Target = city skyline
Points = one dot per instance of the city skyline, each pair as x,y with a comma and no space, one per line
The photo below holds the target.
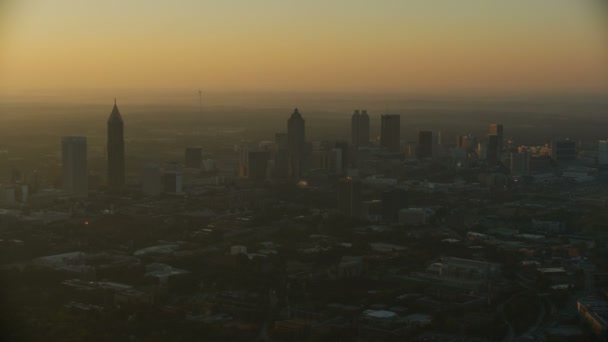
396,170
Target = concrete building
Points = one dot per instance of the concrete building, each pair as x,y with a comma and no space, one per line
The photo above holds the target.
74,166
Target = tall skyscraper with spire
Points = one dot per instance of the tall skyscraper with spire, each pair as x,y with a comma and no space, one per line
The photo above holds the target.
116,150
296,143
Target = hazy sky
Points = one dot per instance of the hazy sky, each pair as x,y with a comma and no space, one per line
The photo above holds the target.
306,45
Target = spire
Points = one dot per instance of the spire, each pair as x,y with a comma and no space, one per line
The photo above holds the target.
115,115
296,113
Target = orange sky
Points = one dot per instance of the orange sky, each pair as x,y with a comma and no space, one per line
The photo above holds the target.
343,45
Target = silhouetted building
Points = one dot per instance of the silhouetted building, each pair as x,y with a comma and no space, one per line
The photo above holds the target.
258,165
492,153
497,130
172,178
468,142
350,196
116,151
425,144
329,160
193,157
360,129
296,144
74,165
344,155
281,157
151,180
520,163
564,150
390,135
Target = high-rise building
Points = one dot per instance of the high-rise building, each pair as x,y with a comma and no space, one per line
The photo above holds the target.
116,150
172,178
602,153
281,157
151,180
390,132
564,150
425,144
74,165
492,153
360,129
296,144
497,130
193,157
520,163
345,157
350,196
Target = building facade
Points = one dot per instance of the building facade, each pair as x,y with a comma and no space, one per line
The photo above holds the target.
360,129
74,166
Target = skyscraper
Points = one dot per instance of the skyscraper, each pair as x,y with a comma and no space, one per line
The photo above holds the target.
492,153
350,196
281,157
74,165
564,150
172,178
390,135
497,130
360,129
296,144
425,144
116,151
